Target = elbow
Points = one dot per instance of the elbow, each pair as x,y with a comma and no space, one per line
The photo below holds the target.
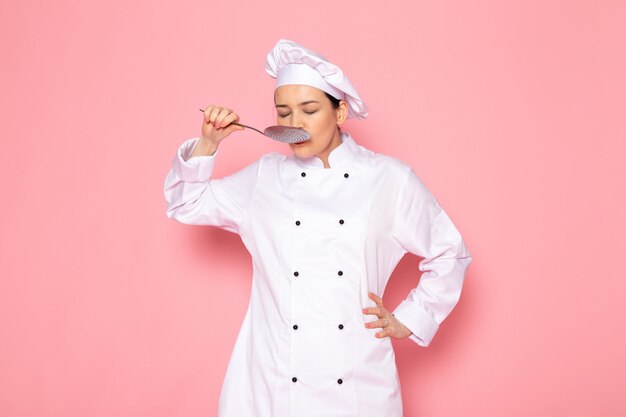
177,213
170,214
179,216
459,251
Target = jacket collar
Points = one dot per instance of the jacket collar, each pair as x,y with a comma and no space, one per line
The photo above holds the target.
338,157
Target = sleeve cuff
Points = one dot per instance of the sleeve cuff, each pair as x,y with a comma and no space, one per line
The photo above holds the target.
418,321
196,168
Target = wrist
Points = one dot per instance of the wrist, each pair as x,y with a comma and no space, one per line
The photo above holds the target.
204,147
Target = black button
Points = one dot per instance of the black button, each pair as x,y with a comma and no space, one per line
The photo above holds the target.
341,326
339,273
296,273
341,221
346,175
340,381
295,327
297,222
303,174
294,379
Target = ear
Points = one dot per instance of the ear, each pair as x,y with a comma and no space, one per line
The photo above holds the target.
342,112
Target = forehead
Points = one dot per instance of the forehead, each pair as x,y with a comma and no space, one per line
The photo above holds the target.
297,93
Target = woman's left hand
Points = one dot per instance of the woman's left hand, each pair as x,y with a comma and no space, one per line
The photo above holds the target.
390,324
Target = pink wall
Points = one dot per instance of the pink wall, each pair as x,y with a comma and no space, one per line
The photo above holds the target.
512,112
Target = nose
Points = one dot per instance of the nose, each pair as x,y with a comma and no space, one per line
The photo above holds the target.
296,120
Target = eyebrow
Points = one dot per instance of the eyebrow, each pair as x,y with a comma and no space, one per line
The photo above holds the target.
304,103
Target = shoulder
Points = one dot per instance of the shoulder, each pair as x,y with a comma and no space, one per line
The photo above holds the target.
269,158
272,158
388,165
398,175
258,165
271,162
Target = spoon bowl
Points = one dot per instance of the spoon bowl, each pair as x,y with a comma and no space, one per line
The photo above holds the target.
285,134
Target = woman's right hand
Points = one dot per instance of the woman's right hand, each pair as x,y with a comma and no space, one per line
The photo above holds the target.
217,124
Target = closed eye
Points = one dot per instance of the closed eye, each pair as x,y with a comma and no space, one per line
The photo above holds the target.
288,114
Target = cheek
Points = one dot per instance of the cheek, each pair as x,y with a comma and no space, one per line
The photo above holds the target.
322,122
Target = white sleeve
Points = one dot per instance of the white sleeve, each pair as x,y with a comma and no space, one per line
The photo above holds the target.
423,228
193,197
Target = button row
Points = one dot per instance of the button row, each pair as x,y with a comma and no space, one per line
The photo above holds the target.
296,273
295,326
341,221
340,273
339,381
346,175
340,326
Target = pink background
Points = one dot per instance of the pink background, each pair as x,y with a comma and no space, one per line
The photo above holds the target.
512,113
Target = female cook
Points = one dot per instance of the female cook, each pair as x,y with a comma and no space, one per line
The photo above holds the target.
325,227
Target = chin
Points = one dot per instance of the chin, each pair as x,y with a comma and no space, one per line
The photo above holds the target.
303,150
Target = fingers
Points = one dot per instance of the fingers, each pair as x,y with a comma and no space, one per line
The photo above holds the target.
379,309
227,120
207,113
384,323
385,319
213,114
384,333
377,323
391,326
219,116
376,298
207,121
218,123
373,310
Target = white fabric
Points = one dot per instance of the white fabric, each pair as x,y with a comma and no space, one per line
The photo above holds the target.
329,77
386,210
304,74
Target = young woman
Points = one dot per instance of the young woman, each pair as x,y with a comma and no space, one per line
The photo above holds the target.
325,227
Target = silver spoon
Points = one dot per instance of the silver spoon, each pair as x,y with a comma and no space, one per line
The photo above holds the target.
286,134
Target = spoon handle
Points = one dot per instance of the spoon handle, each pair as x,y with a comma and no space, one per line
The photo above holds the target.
242,125
249,127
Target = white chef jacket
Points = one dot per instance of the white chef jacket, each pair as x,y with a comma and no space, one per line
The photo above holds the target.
320,239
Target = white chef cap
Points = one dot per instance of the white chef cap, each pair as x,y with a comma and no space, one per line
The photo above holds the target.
292,63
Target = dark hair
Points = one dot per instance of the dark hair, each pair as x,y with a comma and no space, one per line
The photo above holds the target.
334,101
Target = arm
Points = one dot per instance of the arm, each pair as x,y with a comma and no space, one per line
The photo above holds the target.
193,197
422,227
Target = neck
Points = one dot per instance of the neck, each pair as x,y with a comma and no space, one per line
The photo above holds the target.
334,142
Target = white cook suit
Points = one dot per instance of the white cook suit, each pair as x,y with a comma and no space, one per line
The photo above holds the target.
320,239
